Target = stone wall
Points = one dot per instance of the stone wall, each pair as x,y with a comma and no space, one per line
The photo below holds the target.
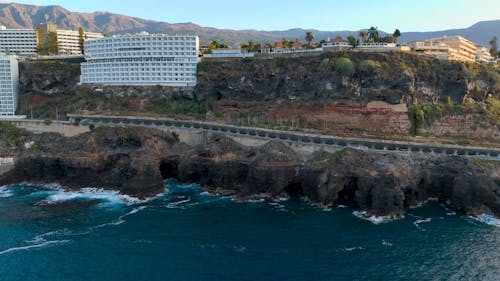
464,126
385,122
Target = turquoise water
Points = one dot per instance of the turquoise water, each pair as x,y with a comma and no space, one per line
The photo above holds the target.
49,234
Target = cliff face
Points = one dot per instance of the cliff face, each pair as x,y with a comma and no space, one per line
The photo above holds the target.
393,78
117,158
48,78
135,161
331,92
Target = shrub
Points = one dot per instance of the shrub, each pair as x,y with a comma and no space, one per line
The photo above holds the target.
416,116
323,65
367,66
495,77
47,122
345,66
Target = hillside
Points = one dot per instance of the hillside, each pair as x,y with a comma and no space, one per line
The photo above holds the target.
361,94
27,16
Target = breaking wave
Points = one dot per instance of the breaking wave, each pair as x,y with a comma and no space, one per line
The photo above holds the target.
373,219
109,196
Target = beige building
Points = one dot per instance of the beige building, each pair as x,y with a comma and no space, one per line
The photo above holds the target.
454,48
68,41
483,55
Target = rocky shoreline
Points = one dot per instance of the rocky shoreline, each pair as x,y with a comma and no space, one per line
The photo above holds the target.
135,161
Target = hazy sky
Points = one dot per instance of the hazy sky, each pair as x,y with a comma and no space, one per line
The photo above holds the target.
407,15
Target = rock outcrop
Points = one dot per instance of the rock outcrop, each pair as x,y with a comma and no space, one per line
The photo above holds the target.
393,78
136,160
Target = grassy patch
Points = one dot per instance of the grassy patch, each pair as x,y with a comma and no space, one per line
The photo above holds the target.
484,165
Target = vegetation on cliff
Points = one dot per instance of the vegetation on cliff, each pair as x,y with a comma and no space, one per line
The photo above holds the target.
292,92
13,140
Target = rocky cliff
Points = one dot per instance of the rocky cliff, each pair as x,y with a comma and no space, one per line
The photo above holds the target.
354,77
330,92
135,160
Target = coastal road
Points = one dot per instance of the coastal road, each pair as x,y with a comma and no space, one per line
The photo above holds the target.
289,136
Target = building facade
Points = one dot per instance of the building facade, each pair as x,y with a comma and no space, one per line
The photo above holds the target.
68,42
9,85
141,59
454,48
483,55
20,42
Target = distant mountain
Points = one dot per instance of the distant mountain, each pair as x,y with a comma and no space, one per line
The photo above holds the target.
480,33
15,15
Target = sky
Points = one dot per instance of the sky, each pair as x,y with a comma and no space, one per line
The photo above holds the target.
332,15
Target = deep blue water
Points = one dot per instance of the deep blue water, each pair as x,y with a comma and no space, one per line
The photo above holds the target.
49,234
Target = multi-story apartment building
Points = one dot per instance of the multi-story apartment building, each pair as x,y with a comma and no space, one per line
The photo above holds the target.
68,41
21,42
454,48
483,55
141,59
9,85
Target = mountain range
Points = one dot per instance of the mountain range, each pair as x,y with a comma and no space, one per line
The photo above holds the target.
15,15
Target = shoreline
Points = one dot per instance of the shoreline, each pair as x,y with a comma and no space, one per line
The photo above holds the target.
65,196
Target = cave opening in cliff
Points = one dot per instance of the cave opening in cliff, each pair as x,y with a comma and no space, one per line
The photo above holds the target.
294,189
168,168
347,196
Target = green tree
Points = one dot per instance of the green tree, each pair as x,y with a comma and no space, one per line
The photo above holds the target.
493,46
309,37
363,35
250,46
352,40
417,117
257,48
213,45
396,34
373,35
81,39
387,39
285,42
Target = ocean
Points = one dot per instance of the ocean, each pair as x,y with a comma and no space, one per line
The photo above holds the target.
47,233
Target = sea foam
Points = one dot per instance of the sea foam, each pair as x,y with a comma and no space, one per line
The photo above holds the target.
43,244
110,196
488,219
373,219
5,192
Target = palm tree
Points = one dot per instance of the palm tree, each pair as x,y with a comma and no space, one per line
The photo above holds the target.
363,34
309,37
373,35
396,35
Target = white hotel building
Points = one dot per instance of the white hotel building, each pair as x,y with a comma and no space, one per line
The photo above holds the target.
21,42
9,85
141,59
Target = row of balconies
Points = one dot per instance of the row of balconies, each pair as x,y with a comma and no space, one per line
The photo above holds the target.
178,54
104,79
